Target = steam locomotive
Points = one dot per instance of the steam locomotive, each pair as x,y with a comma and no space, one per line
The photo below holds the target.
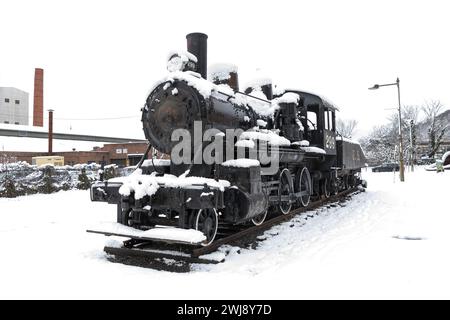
285,153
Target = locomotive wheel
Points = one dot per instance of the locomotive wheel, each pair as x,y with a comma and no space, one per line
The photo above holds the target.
207,222
351,181
258,220
346,182
304,184
285,188
325,188
334,187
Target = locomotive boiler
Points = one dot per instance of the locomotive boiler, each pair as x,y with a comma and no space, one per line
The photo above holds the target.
236,157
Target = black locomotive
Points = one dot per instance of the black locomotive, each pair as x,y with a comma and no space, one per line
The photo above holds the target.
295,128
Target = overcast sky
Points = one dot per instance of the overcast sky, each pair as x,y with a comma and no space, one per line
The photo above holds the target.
102,57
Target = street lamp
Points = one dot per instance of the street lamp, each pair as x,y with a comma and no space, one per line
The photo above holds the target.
397,83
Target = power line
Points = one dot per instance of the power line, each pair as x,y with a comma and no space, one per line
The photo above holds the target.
95,119
73,119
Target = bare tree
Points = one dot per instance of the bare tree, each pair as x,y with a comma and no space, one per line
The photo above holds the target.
436,127
410,113
379,145
346,128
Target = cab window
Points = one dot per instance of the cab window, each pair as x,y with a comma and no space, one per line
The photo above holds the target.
329,120
312,120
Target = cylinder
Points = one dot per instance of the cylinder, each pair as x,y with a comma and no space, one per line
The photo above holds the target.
197,45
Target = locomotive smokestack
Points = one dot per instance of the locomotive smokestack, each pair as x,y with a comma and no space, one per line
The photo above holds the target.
197,45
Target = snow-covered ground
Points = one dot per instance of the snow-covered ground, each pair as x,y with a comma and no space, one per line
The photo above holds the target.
360,250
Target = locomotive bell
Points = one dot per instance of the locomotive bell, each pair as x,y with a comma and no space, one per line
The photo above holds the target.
181,61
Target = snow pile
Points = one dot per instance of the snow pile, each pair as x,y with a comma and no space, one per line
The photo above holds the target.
258,82
176,60
263,108
147,185
302,143
163,233
193,79
261,123
221,71
245,144
288,97
313,150
341,138
271,137
353,250
141,186
241,163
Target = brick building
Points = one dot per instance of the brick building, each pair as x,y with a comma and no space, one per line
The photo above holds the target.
122,154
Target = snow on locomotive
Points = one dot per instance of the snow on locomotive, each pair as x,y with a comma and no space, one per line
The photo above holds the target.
236,157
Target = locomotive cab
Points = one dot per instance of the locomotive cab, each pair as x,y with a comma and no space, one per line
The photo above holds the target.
318,119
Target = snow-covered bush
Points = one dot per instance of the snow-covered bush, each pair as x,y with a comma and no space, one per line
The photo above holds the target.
21,178
8,188
84,182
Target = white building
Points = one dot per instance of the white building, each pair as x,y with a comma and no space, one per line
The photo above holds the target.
13,106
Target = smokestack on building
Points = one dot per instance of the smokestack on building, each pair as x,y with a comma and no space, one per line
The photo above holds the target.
38,102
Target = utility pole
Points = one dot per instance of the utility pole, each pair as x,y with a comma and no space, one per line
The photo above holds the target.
412,139
402,166
397,83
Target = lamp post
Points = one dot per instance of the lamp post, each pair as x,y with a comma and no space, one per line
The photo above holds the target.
397,83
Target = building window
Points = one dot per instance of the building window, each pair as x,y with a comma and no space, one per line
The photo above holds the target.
6,100
16,123
17,101
7,122
124,150
118,151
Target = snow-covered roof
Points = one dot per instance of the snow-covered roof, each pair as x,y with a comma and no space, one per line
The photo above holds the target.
25,144
312,98
12,89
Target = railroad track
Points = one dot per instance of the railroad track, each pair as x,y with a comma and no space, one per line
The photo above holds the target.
176,257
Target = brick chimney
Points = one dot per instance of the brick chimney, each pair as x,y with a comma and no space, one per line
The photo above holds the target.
38,104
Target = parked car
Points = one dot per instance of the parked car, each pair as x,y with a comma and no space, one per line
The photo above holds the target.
386,167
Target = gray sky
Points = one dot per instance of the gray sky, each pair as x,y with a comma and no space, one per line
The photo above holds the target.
102,57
